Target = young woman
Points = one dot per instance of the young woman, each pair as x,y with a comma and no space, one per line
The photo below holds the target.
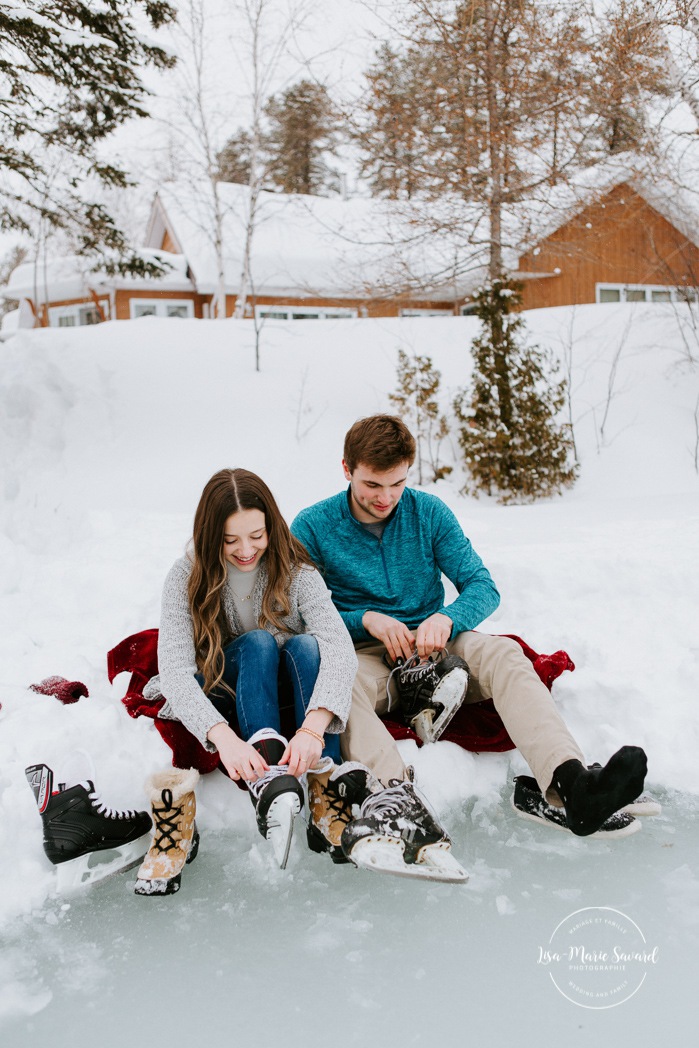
244,613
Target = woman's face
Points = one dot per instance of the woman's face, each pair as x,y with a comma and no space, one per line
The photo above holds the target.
245,538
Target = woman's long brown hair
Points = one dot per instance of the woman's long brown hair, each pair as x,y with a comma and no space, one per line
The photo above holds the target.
229,491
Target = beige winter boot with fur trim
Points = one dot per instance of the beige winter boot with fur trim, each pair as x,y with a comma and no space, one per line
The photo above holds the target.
332,793
175,836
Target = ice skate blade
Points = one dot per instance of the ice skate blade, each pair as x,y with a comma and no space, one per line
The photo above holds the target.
97,866
280,825
386,855
449,694
643,805
625,830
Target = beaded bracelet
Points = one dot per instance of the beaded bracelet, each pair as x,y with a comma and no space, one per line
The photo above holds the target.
315,735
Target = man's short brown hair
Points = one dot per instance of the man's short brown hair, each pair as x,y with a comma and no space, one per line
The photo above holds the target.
380,442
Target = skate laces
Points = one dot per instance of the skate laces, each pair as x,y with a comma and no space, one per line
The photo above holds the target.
390,801
274,772
412,671
103,809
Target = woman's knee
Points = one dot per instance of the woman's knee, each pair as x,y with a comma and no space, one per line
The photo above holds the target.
303,646
257,643
256,638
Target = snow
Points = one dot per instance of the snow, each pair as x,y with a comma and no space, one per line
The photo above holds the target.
108,435
67,276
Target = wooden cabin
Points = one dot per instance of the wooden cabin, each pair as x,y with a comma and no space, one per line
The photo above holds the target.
617,248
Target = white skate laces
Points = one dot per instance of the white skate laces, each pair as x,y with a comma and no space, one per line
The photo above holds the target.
103,809
257,786
413,670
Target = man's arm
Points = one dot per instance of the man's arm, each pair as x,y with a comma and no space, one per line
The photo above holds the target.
478,596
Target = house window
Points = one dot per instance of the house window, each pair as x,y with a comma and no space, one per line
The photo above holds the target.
644,293
161,307
427,312
77,315
303,313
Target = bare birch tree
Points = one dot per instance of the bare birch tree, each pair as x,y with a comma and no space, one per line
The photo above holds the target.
269,26
196,126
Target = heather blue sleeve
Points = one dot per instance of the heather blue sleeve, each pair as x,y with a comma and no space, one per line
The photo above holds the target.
302,528
478,597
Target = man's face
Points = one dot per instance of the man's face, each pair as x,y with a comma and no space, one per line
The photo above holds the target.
375,495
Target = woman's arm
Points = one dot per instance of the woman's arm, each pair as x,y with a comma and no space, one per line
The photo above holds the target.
177,661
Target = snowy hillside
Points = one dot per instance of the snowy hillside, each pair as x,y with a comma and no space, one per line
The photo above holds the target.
108,435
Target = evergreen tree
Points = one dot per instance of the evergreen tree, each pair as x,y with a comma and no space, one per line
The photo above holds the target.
512,442
389,135
301,133
416,402
70,74
234,158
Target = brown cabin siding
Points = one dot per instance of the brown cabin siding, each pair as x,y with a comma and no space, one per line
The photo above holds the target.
619,239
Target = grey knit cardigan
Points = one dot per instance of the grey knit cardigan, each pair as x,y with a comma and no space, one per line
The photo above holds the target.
312,611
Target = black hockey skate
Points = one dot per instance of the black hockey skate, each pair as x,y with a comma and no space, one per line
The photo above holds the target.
84,838
430,692
529,803
396,833
277,795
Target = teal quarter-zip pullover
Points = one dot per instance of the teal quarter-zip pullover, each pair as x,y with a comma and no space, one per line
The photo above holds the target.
399,574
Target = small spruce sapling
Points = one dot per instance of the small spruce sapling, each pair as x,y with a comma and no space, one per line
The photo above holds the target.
415,401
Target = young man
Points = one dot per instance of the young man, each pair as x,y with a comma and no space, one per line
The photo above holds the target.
382,548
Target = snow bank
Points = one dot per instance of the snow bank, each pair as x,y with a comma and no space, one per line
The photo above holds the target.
108,435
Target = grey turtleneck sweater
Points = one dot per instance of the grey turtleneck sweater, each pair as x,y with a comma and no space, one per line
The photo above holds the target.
312,611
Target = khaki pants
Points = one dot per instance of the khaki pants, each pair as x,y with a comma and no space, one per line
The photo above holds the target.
499,670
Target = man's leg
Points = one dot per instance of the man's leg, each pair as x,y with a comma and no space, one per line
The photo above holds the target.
366,739
499,670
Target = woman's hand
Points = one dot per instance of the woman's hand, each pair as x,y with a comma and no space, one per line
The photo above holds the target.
239,758
304,750
302,753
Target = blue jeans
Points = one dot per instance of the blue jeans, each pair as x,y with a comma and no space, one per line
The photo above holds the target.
255,668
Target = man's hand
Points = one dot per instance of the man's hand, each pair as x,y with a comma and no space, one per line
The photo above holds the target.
393,634
433,634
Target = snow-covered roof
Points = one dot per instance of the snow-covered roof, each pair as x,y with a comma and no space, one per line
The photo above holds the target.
305,245
68,276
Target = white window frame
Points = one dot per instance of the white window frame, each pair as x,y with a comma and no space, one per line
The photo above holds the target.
161,305
677,294
321,312
427,312
57,313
